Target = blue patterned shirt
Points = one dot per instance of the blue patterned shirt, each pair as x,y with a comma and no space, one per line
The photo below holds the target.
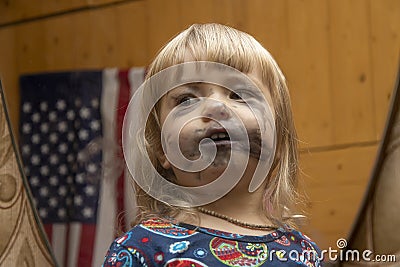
159,242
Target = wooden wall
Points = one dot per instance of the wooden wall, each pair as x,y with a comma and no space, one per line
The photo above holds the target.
340,58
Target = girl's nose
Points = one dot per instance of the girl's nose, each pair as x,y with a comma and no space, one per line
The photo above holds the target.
215,109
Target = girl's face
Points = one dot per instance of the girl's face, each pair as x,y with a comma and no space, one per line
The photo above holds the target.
202,109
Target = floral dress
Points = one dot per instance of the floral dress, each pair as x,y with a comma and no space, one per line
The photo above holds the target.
159,242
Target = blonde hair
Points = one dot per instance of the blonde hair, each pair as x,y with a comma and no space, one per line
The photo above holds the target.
226,45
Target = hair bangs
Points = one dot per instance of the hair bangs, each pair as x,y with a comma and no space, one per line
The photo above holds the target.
214,43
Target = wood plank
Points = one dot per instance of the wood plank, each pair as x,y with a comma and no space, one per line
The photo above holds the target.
30,44
307,71
111,37
267,22
225,12
351,72
335,182
132,47
163,23
385,43
17,10
8,73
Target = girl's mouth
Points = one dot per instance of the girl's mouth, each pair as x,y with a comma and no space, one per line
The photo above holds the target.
218,135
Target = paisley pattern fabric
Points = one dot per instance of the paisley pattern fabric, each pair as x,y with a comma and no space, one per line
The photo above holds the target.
159,242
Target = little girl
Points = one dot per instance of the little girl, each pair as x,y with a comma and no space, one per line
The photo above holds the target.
211,144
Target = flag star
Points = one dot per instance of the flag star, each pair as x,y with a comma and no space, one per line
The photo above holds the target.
44,170
35,139
44,149
70,157
54,159
63,170
26,128
52,116
53,138
26,149
92,168
83,134
53,181
62,126
43,191
61,105
70,114
62,191
84,113
34,181
27,107
63,148
35,159
53,202
90,190
81,156
44,127
78,200
87,212
43,212
36,117
95,125
71,136
61,213
95,102
43,106
80,178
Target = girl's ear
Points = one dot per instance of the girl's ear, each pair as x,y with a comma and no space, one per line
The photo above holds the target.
162,158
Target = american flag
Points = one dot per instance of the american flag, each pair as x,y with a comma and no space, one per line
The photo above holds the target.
70,133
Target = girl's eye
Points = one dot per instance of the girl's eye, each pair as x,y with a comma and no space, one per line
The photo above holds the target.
186,100
237,96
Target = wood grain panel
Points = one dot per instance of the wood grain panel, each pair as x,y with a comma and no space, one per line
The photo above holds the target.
163,20
267,22
9,73
308,74
17,10
335,182
350,72
226,12
385,49
106,38
22,241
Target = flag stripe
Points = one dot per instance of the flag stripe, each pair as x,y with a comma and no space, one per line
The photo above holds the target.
123,101
86,244
73,246
136,78
105,231
48,228
59,241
